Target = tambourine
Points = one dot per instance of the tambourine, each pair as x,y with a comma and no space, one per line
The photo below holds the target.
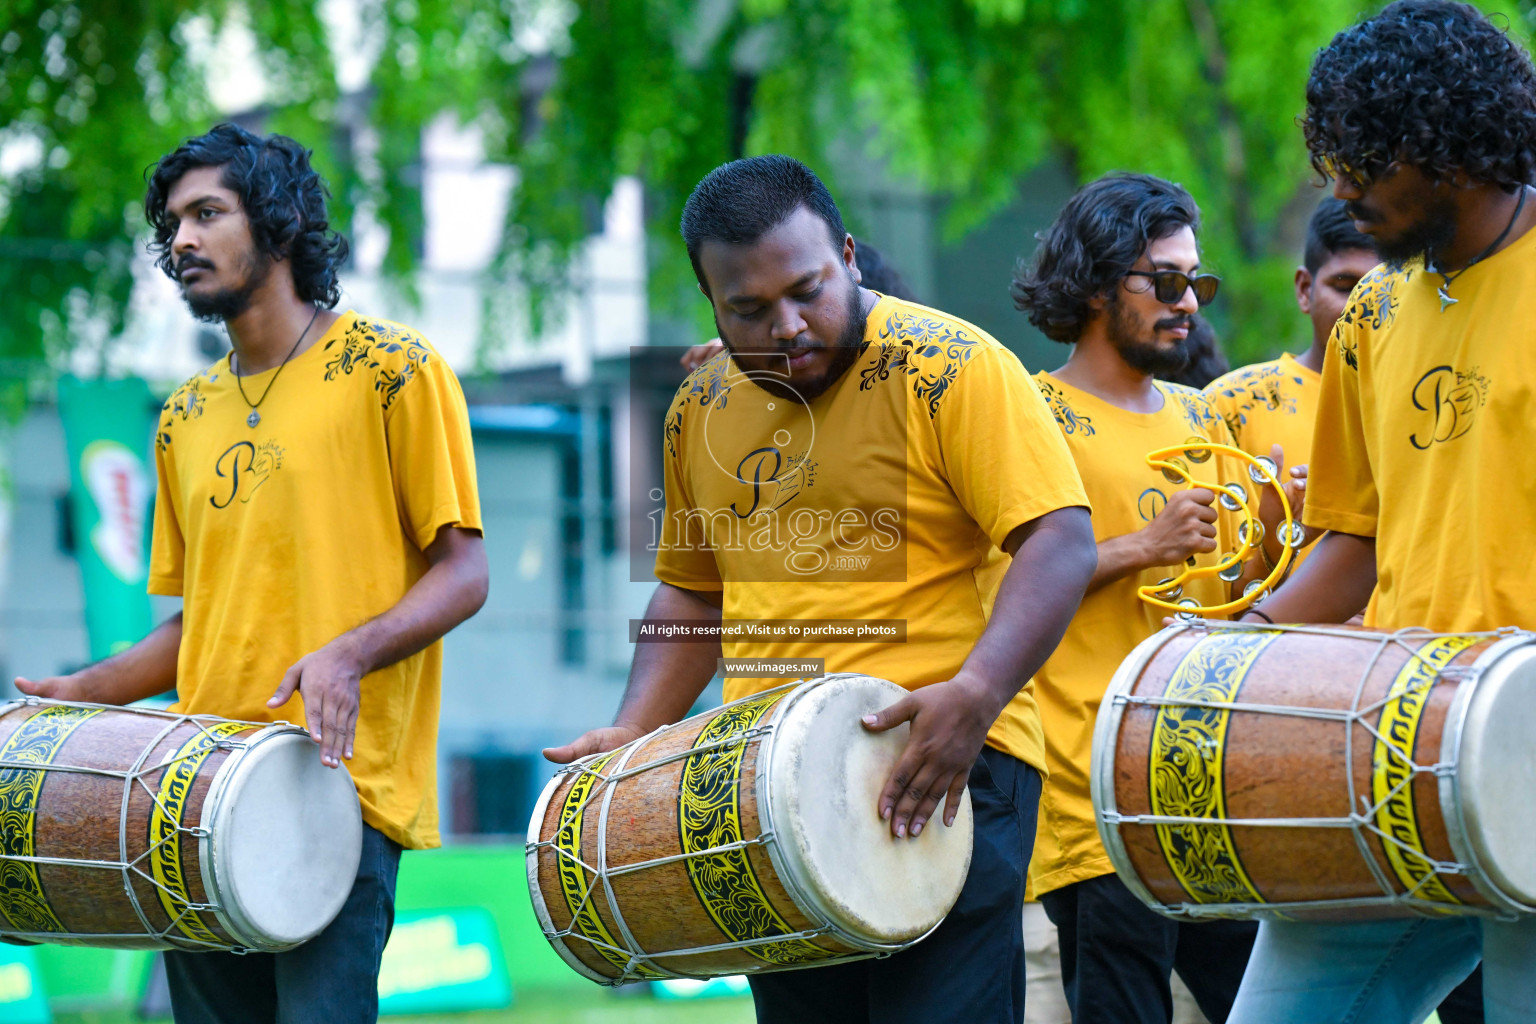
1250,532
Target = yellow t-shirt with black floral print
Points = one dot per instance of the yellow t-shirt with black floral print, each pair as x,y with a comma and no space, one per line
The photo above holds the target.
1110,445
1427,412
282,536
884,499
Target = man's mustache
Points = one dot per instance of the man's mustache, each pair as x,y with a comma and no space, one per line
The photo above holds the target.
1174,322
1359,212
187,263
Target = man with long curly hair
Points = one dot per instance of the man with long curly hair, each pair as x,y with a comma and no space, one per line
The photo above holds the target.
1117,277
318,516
1425,118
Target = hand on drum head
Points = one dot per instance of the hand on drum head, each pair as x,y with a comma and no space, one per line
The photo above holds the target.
596,741
329,680
949,725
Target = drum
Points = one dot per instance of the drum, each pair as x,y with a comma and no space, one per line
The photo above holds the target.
1320,773
140,829
742,840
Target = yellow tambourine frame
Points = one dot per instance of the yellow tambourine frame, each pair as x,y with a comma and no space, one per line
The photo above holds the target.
1250,532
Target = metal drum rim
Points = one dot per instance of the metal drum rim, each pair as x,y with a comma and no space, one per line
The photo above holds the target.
236,924
536,891
1452,806
806,898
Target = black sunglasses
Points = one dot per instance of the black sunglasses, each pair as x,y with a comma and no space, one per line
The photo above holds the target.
1169,285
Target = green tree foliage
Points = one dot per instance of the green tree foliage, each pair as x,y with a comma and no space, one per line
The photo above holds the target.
962,96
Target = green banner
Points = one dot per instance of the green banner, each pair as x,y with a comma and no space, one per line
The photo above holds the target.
22,1000
111,487
441,961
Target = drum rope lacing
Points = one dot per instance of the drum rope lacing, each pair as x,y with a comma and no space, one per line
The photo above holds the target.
129,868
1359,822
637,961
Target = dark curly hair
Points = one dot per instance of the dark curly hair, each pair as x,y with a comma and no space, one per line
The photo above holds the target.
1431,83
1097,237
283,198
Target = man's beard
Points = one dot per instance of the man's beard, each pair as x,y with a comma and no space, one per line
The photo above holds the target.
1434,231
1142,355
228,303
844,353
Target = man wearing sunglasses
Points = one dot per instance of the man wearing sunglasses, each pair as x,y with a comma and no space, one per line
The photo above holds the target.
1117,277
1425,117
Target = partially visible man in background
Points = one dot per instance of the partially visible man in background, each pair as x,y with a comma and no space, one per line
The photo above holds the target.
1270,407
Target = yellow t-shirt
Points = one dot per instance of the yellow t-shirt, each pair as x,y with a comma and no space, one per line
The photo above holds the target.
1268,404
1110,446
1428,416
885,497
281,537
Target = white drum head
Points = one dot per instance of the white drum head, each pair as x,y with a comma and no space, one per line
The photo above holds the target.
287,835
1496,773
825,776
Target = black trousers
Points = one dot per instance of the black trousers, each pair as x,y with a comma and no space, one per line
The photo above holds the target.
1117,956
333,977
971,969
1465,1003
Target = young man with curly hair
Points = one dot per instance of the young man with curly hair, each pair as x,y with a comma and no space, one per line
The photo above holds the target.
1425,118
317,513
1117,277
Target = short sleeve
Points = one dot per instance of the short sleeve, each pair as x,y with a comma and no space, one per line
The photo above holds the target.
1341,489
167,547
1006,458
431,454
684,557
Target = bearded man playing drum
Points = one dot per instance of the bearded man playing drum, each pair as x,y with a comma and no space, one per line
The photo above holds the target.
857,457
1425,118
317,513
1117,276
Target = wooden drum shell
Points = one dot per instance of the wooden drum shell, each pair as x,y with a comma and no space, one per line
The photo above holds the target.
660,904
54,812
741,840
1237,765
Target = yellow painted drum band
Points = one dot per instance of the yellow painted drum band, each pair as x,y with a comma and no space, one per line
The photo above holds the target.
35,741
708,817
1392,767
1188,748
585,920
165,826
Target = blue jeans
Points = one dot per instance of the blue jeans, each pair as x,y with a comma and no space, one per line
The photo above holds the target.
333,977
1386,972
971,969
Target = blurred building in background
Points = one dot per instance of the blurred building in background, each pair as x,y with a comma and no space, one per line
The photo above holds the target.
562,423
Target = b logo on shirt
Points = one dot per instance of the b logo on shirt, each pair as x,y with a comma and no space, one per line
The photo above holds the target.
246,467
764,466
1452,398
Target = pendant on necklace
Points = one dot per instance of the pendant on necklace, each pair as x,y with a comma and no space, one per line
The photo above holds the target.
1445,301
255,417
